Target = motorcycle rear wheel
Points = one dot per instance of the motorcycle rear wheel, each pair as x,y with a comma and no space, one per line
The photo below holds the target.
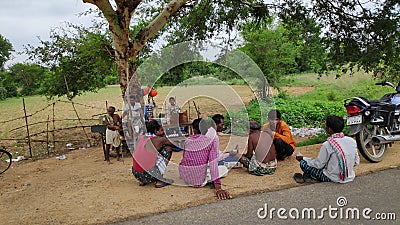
371,152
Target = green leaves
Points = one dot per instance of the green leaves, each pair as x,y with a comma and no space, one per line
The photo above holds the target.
79,60
5,51
273,52
22,80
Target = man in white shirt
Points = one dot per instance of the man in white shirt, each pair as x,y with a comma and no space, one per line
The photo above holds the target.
336,159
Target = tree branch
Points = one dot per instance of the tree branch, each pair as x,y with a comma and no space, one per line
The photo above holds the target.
260,6
125,10
156,25
340,11
108,12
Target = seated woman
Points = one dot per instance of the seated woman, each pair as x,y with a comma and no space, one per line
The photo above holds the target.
260,157
199,151
151,156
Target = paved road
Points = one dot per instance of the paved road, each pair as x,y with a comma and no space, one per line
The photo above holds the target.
374,193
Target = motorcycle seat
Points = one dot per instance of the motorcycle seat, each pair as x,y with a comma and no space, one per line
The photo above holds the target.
378,103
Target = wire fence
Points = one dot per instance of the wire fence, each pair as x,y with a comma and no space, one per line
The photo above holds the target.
49,131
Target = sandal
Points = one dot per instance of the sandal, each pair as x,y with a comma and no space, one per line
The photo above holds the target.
308,178
298,177
166,180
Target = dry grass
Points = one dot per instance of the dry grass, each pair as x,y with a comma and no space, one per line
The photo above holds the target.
41,110
89,106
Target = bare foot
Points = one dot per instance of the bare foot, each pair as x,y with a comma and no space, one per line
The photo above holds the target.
142,183
108,162
160,184
234,151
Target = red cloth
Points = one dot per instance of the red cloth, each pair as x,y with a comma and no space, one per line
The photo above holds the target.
143,159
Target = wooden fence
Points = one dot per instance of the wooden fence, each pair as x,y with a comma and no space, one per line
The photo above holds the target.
43,132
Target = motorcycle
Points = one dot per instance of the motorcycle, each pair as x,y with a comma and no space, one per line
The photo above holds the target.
374,123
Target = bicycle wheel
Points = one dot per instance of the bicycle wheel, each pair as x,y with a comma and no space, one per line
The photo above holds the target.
5,160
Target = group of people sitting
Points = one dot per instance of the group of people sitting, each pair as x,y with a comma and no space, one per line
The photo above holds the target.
266,146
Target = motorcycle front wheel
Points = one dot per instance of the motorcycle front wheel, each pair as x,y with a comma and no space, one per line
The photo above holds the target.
371,152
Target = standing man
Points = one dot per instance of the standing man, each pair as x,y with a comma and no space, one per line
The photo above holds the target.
173,112
336,159
114,125
281,133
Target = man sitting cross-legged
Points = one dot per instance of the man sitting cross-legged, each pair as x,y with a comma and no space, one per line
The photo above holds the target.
260,157
336,159
283,140
150,158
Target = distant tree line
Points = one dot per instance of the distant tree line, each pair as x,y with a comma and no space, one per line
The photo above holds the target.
282,38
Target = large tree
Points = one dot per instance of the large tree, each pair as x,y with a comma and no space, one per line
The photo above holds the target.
26,78
355,30
362,34
126,49
273,51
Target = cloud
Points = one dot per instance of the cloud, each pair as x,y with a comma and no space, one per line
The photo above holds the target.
22,21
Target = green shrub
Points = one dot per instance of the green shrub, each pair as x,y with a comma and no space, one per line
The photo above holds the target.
111,79
331,96
296,113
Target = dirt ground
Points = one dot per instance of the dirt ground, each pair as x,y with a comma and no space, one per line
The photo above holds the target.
83,189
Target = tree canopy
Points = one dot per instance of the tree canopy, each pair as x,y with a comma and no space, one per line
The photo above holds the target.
5,51
80,59
317,35
361,34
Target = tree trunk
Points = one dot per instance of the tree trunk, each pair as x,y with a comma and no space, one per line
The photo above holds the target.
126,50
126,68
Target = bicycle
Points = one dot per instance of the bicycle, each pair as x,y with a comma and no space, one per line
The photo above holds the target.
5,160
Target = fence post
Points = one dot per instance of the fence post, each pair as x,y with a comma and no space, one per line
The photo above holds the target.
47,135
27,128
80,122
54,127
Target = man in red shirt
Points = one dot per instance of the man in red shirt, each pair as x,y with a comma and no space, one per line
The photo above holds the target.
281,133
151,157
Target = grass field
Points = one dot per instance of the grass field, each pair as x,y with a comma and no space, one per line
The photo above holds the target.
330,88
210,99
89,107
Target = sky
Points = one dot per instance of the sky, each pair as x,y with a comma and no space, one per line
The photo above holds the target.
22,21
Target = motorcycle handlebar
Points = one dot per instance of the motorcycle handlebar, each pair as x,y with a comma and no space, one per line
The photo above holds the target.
385,83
